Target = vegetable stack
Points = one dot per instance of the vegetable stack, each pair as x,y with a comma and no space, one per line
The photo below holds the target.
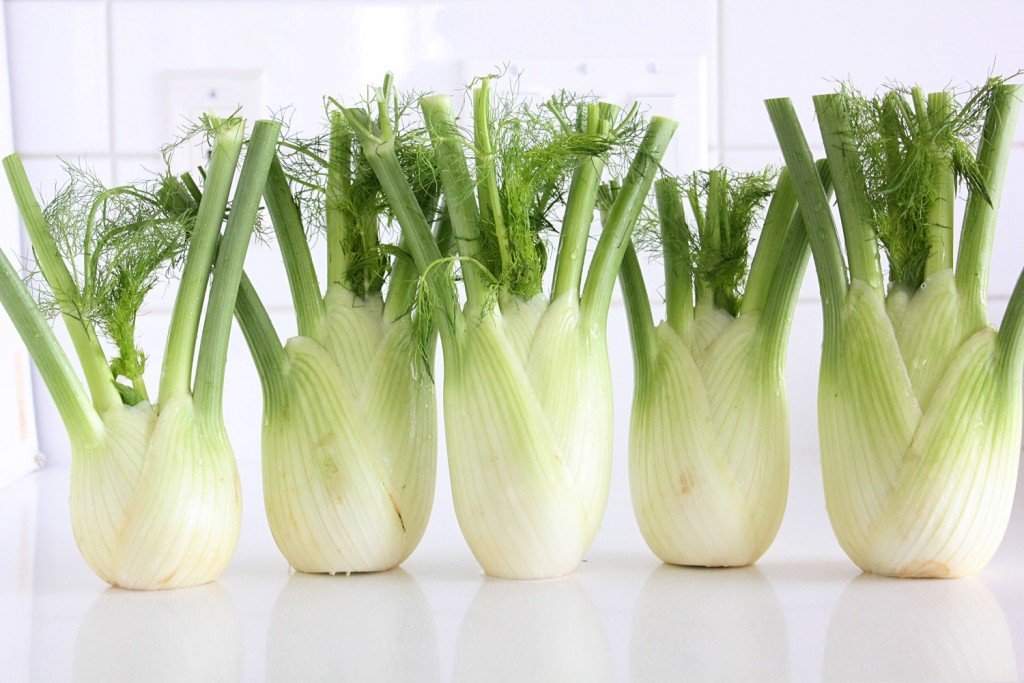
527,391
709,440
155,499
350,416
920,397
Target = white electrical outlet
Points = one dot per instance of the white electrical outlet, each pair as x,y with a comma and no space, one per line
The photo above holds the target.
189,95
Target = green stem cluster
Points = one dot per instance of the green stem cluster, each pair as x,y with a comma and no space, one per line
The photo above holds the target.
339,186
298,261
622,216
84,417
409,213
476,206
73,403
55,271
851,190
356,260
979,223
213,350
772,283
940,214
678,261
862,243
579,209
176,375
459,195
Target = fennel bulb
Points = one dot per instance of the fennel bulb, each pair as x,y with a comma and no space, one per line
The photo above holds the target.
709,437
528,403
920,397
349,443
350,416
527,391
156,503
155,499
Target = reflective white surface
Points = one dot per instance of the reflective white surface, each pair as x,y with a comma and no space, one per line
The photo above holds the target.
803,613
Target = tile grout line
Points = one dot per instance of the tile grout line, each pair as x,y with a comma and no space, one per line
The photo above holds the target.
768,147
719,80
48,156
739,149
110,90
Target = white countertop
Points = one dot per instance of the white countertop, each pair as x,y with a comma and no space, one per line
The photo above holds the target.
804,613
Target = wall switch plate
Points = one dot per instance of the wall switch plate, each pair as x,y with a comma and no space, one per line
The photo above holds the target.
189,95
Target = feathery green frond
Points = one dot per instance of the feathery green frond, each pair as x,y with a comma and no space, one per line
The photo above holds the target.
118,244
724,207
356,198
906,146
531,153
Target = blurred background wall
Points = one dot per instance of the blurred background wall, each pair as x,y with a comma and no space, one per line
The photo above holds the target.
108,81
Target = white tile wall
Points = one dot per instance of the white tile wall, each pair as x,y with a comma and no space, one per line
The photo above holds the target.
17,418
58,55
91,77
799,49
307,49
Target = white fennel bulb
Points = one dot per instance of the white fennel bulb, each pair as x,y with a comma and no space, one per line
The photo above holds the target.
709,436
920,397
350,415
928,491
527,397
350,444
155,500
709,450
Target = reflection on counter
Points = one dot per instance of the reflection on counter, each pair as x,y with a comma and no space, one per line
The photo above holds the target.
192,634
361,627
709,624
532,631
18,508
886,629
